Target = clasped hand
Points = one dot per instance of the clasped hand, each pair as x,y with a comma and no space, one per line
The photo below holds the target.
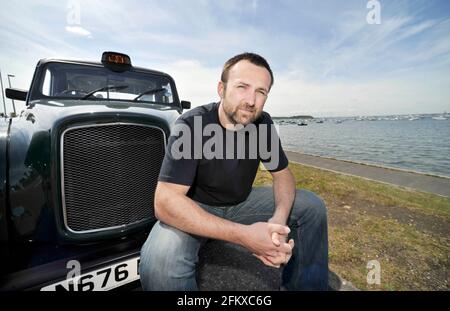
268,243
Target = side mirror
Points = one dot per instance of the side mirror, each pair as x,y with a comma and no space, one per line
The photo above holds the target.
185,104
16,94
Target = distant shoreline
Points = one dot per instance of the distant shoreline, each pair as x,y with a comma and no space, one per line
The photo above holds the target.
294,117
445,114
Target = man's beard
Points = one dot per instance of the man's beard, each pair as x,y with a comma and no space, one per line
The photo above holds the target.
232,115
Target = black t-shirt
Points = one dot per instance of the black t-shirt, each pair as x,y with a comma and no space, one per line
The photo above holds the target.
220,173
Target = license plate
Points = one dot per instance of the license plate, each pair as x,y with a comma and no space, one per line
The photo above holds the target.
102,279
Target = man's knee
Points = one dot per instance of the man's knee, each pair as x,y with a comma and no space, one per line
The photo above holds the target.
318,208
167,257
309,205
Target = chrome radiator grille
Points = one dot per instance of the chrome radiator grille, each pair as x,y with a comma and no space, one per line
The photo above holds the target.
109,175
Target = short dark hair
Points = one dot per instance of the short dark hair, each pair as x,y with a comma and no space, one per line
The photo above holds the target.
253,58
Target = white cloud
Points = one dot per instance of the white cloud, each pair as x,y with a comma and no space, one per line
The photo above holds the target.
394,95
79,31
254,4
195,82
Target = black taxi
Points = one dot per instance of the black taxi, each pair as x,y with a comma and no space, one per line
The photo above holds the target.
78,170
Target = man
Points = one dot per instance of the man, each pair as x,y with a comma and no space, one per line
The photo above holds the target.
203,197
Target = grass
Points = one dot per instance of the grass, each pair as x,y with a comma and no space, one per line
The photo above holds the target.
406,231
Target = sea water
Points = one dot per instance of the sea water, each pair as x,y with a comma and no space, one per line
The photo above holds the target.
419,144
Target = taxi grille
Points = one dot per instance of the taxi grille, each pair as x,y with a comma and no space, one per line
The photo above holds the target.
109,175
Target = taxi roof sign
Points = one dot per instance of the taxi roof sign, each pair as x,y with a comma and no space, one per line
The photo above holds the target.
114,58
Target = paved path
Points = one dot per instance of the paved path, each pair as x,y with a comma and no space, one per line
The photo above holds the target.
421,182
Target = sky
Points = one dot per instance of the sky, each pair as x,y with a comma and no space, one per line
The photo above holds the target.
329,58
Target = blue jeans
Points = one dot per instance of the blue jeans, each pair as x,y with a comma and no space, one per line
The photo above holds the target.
169,256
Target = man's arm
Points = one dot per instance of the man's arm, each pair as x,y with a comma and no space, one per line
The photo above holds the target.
174,208
284,194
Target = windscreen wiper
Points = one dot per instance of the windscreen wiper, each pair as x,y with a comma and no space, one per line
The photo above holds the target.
153,91
105,88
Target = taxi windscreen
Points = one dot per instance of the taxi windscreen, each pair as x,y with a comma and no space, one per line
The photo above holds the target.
84,82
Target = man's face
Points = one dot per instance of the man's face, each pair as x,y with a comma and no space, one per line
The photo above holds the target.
245,93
